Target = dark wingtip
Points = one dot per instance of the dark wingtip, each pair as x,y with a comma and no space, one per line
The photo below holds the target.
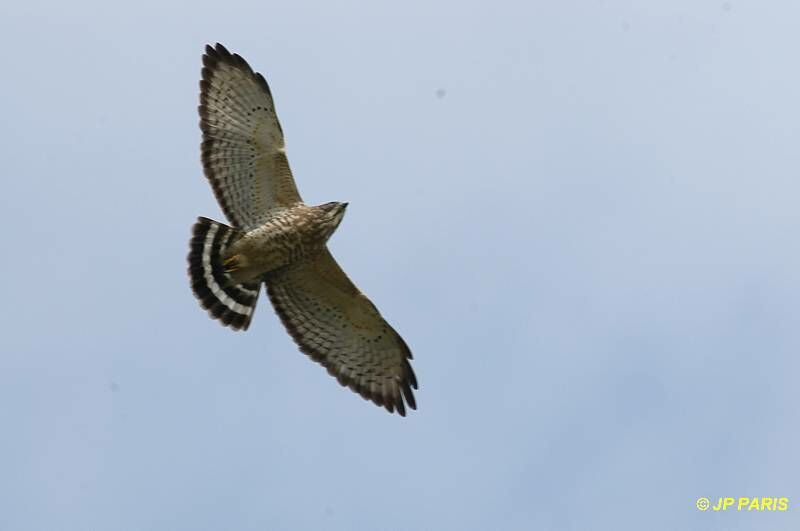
216,51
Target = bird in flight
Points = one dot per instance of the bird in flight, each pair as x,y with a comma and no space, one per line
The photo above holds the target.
277,240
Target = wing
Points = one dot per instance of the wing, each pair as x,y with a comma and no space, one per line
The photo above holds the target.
337,326
243,151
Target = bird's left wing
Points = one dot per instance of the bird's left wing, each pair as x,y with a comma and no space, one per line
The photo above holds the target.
243,151
337,326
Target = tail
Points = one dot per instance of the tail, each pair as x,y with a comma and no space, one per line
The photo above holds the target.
233,304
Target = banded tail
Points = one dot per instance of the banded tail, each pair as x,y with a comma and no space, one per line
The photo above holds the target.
233,304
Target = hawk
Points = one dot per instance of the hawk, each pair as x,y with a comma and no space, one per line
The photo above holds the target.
277,240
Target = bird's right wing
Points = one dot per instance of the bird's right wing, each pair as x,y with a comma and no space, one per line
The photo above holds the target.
243,151
337,326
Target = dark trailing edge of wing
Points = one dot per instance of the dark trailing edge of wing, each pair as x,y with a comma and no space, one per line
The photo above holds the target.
213,57
390,403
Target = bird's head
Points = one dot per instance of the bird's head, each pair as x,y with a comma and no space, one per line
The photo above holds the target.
331,215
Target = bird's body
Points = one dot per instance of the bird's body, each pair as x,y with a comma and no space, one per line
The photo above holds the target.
279,241
286,237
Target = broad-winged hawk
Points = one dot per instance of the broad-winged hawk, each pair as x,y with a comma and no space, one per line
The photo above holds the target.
277,240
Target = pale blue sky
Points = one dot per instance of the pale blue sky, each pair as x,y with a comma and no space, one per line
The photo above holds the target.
590,243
